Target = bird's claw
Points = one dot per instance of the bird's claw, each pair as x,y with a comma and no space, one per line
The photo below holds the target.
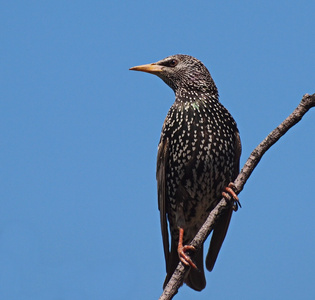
181,250
229,193
184,258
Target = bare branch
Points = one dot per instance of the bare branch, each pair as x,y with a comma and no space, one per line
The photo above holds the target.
307,102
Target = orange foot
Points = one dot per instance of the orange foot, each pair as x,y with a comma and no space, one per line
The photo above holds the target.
229,193
184,258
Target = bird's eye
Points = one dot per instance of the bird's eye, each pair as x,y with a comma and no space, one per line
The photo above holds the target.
173,62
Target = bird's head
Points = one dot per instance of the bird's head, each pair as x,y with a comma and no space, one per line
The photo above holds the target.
181,72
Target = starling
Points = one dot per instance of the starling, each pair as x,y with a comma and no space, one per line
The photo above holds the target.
198,158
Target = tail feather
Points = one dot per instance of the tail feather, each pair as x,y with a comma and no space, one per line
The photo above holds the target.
218,236
171,263
196,277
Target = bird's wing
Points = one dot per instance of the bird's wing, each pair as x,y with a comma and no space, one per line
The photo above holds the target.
238,151
223,222
162,159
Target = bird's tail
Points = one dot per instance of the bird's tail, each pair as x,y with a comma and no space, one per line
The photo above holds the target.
196,277
218,236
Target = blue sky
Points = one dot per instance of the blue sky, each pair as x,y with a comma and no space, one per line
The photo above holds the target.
79,135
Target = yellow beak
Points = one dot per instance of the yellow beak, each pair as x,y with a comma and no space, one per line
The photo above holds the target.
149,68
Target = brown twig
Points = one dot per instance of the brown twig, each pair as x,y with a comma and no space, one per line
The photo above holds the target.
307,102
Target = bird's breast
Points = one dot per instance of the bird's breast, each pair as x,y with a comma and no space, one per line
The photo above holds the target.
200,157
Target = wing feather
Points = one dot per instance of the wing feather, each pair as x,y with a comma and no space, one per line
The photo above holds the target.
162,159
222,225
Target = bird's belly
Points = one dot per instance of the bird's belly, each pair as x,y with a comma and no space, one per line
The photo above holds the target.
198,191
197,211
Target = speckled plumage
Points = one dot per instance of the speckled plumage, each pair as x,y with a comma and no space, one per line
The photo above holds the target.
198,156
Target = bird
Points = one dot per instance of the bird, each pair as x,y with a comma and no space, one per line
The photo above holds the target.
198,160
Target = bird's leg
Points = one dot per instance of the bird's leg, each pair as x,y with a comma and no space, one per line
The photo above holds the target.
186,260
229,193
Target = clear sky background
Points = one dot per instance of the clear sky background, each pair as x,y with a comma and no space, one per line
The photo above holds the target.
79,135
